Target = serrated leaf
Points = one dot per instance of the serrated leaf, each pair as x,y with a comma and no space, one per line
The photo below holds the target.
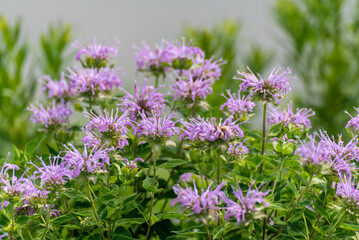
150,185
172,163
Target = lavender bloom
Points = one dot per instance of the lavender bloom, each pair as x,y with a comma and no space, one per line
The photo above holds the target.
208,68
354,121
53,175
58,89
108,126
95,50
181,51
238,105
207,202
91,162
208,130
12,185
191,88
237,149
269,90
91,80
347,190
327,150
154,60
246,205
50,116
131,164
298,119
146,100
156,128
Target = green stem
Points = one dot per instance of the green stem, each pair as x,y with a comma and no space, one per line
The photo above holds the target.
318,217
208,233
94,208
293,208
47,222
156,82
29,233
341,219
263,133
279,175
152,196
218,169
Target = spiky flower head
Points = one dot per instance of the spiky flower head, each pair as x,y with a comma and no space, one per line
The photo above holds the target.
142,101
192,89
58,89
245,206
183,55
96,54
206,68
205,203
52,116
90,81
107,127
155,61
209,130
353,122
54,175
238,105
350,193
266,90
92,161
298,119
156,128
237,149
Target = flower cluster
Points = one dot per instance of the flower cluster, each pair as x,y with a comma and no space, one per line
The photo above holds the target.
88,161
244,206
354,122
238,105
106,126
206,202
192,89
237,149
346,189
92,80
144,101
53,175
298,119
50,117
58,89
266,90
209,130
156,127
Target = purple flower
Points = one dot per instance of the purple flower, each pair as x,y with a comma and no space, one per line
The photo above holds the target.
131,164
269,90
146,100
206,68
50,116
298,119
346,189
108,126
327,150
209,130
12,185
354,121
91,80
53,175
58,89
154,60
191,88
206,202
91,162
181,51
237,149
238,105
245,205
95,50
155,127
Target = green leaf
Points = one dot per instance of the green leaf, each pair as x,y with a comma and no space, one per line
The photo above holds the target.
150,185
63,219
4,220
32,146
275,130
173,163
321,211
348,226
129,221
76,195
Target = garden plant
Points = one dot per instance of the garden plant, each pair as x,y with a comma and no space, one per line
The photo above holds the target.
153,165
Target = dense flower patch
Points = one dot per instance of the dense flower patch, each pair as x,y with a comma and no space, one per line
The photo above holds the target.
157,164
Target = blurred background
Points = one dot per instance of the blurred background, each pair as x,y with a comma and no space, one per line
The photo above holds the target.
318,39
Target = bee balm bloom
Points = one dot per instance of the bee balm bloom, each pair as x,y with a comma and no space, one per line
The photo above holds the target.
237,104
95,50
267,90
